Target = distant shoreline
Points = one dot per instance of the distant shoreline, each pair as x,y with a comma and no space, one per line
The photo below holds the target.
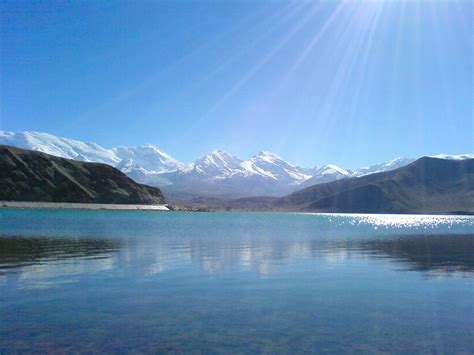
81,206
166,207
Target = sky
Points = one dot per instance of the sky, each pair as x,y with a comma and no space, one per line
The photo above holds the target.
350,83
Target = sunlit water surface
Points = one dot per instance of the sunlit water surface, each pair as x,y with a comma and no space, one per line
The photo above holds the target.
235,282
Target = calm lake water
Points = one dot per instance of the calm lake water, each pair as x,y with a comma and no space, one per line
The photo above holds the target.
93,281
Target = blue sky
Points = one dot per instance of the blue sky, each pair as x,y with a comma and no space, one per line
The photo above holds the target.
351,83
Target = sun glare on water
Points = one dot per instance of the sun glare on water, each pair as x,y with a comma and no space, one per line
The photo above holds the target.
399,220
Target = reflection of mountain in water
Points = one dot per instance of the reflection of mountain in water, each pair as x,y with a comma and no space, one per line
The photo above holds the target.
15,250
440,255
436,254
33,259
39,262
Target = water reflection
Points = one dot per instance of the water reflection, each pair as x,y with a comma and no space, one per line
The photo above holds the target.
98,282
435,254
18,250
40,262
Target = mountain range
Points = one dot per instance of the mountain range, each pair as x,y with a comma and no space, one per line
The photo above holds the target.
217,174
427,186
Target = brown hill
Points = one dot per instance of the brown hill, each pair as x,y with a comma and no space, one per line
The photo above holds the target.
27,175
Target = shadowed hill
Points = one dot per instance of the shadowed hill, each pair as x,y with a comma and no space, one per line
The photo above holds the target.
27,175
428,185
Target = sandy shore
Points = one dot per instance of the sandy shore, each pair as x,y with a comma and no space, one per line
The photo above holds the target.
82,206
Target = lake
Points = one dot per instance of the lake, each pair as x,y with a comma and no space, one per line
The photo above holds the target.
95,281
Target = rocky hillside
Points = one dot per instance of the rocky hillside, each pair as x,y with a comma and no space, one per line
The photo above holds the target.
27,175
428,185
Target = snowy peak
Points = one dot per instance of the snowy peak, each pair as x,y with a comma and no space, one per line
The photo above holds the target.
332,170
278,168
249,168
148,157
216,164
327,173
268,157
219,158
59,146
219,165
385,166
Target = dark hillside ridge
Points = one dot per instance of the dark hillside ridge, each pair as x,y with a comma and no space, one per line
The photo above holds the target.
428,185
27,175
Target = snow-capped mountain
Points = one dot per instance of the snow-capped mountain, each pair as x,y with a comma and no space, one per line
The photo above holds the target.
385,166
142,175
149,158
220,173
277,168
327,173
219,165
213,166
60,146
217,174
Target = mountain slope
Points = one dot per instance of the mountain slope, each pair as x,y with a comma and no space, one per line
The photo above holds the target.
279,169
59,146
216,165
27,175
385,166
148,157
428,185
327,173
454,157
